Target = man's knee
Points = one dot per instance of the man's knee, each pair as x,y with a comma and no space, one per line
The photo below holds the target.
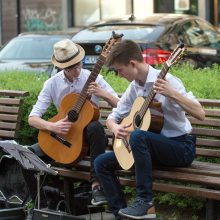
135,136
94,126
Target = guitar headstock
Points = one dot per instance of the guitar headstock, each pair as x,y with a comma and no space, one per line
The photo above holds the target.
176,55
115,38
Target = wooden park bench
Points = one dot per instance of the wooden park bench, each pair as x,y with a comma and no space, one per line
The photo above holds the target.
201,179
10,113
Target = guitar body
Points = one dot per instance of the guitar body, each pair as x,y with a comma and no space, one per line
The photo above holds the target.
56,149
152,121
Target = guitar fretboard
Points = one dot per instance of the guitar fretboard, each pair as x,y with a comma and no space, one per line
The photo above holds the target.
152,94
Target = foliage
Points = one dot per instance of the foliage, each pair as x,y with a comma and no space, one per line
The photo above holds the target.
202,82
118,84
32,83
182,202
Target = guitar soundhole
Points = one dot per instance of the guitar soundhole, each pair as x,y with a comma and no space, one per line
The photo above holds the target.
72,115
137,121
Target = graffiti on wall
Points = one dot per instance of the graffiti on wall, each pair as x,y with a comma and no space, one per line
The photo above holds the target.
41,19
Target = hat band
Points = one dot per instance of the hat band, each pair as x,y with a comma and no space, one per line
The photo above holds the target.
64,61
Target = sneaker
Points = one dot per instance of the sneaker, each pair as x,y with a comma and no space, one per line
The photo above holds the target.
139,210
98,197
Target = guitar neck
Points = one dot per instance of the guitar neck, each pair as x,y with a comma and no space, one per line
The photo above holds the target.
152,94
94,74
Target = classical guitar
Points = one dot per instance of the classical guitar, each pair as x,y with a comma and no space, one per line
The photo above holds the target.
146,114
71,147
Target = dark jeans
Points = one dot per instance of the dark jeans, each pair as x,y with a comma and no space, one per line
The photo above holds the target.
97,142
147,148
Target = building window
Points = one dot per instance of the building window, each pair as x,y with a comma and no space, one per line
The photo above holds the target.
87,12
176,6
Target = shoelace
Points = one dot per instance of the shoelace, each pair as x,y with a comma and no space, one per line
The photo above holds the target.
137,203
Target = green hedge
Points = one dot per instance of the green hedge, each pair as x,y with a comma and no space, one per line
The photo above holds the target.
204,83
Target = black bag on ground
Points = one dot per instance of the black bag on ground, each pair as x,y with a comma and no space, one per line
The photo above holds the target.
13,189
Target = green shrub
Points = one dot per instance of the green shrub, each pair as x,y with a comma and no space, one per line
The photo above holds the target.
25,82
202,82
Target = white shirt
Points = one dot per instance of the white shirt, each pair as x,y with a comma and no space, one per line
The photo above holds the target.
58,86
175,121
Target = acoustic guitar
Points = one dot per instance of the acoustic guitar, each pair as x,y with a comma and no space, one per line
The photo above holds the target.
69,148
146,114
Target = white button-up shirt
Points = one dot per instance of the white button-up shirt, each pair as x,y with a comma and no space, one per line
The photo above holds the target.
175,121
58,86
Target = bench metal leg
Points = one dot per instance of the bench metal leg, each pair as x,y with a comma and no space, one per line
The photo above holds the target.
211,209
68,194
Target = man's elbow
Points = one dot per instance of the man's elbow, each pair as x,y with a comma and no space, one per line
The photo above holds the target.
201,115
30,120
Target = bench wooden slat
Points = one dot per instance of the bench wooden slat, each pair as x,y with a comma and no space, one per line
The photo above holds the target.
13,93
10,101
104,114
8,125
7,134
207,152
186,177
206,132
104,104
210,102
209,143
212,112
206,122
5,117
9,109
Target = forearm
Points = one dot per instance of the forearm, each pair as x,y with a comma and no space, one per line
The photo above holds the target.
110,124
38,123
191,107
112,100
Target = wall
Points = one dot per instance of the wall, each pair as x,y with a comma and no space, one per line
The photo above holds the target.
37,15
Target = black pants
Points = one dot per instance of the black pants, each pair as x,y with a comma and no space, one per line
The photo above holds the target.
96,141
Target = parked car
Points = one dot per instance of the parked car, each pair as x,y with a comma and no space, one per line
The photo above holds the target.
157,35
31,52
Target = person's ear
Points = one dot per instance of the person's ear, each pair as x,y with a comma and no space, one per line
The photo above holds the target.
133,63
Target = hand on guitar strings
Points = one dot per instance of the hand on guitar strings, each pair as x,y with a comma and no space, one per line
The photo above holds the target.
61,127
95,89
162,86
121,131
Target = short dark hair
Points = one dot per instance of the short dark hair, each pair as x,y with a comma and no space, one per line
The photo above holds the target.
123,52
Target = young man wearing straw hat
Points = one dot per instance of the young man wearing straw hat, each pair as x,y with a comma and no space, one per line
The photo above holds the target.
71,79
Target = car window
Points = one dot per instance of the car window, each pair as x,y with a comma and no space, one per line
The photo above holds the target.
201,34
29,48
212,35
134,32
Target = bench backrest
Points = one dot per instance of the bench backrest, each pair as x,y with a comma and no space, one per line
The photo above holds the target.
10,112
207,131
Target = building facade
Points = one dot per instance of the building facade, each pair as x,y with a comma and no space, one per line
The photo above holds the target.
18,16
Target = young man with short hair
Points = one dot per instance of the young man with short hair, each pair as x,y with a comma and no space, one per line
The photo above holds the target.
174,146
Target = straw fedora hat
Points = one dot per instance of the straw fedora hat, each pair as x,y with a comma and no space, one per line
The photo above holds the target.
67,53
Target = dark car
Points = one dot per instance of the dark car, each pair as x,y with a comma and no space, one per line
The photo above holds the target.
157,35
31,52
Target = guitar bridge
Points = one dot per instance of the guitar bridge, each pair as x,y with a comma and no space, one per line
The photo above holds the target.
60,139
